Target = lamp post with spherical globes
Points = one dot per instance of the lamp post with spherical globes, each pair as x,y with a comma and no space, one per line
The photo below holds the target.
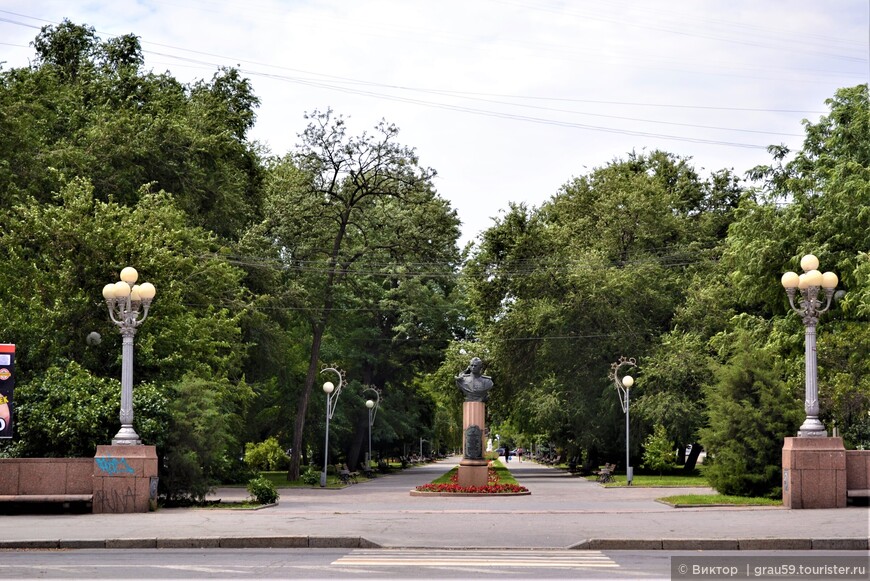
623,388
332,392
125,299
809,307
372,406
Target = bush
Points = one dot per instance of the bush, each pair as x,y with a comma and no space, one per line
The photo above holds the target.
310,477
857,435
201,437
262,490
750,412
658,453
267,455
67,411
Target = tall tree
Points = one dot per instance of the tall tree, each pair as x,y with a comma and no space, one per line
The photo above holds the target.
85,109
350,219
597,272
57,257
814,200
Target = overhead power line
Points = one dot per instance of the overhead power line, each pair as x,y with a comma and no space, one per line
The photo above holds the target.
349,85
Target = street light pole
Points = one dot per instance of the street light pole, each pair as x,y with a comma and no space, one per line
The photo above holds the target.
372,406
623,388
809,307
332,392
124,299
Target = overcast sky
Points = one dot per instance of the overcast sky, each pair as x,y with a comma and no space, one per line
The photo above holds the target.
506,99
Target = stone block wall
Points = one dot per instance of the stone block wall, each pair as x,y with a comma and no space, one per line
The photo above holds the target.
46,477
858,473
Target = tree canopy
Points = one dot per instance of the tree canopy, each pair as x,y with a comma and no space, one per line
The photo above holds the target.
341,251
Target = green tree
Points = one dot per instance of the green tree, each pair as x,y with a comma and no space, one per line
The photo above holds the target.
63,253
750,411
670,389
357,229
85,109
205,416
67,47
817,202
67,412
561,291
658,450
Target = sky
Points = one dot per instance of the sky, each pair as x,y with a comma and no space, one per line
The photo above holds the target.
508,100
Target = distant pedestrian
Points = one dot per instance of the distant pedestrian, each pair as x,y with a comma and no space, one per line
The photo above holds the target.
520,453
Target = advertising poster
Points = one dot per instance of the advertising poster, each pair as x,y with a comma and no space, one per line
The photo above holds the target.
7,383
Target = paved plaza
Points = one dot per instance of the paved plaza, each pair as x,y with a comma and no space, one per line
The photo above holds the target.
562,512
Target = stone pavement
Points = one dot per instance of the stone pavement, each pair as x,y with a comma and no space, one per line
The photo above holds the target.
563,511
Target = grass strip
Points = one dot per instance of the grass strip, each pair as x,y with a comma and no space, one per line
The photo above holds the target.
504,475
713,499
654,481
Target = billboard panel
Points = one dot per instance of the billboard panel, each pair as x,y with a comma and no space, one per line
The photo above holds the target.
7,384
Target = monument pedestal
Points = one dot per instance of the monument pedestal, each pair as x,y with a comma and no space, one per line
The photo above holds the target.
473,468
813,473
125,479
473,472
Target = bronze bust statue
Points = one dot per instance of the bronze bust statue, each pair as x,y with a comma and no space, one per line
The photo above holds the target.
474,385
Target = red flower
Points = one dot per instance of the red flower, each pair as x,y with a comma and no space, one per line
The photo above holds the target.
492,486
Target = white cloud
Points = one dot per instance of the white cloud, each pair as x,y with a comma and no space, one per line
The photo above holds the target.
607,77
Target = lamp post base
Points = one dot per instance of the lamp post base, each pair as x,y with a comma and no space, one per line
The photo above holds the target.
812,428
126,436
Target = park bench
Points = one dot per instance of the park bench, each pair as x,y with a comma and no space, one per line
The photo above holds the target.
605,473
346,476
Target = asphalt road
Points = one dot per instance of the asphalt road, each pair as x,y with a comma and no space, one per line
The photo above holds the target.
411,564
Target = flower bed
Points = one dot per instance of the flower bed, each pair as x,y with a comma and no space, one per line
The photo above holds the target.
492,486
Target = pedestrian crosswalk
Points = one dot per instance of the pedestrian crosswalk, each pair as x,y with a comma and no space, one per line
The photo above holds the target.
513,558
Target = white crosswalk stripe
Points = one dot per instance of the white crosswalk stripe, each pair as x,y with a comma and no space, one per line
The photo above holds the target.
463,558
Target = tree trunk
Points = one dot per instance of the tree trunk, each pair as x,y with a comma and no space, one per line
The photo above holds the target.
359,445
302,410
692,460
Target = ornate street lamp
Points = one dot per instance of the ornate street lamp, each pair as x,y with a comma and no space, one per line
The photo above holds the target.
623,387
809,307
124,299
372,406
332,392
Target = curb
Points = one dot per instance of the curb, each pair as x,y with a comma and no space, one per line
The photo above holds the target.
842,544
750,544
198,543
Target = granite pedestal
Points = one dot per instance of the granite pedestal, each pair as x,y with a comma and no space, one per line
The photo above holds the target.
473,468
125,479
814,473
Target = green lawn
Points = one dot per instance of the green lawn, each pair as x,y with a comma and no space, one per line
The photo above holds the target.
279,479
694,499
655,481
690,480
504,475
